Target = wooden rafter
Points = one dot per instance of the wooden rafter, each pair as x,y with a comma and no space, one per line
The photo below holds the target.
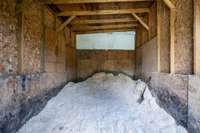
65,23
106,31
86,28
141,21
103,12
91,1
103,21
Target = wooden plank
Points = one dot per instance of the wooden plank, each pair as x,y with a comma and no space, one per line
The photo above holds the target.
172,40
85,27
91,1
65,23
103,12
196,37
103,21
141,21
169,4
42,42
106,31
158,34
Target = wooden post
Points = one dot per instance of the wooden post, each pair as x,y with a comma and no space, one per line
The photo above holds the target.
172,40
196,37
158,34
42,43
149,24
172,34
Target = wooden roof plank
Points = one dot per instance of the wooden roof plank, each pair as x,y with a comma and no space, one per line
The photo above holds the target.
92,1
106,31
103,12
103,21
86,27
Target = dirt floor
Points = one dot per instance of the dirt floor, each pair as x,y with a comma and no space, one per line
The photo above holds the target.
103,104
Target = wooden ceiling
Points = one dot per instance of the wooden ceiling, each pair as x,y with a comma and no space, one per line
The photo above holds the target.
90,16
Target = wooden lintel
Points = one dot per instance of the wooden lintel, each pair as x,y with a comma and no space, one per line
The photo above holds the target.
103,21
106,31
85,27
103,12
91,1
141,21
65,23
169,4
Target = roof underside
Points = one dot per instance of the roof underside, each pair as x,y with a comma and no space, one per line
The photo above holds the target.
85,16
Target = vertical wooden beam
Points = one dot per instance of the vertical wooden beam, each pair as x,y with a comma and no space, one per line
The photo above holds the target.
149,24
65,23
196,37
42,43
172,40
158,34
172,34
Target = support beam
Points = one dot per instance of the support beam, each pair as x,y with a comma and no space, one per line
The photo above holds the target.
103,12
86,28
141,21
103,21
196,37
172,34
106,31
158,34
169,4
172,40
91,1
65,23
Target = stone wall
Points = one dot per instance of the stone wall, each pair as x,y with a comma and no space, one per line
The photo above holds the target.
34,64
165,39
184,36
8,29
89,62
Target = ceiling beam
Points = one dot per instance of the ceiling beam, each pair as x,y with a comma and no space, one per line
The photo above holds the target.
92,1
103,21
106,31
103,12
86,27
141,21
62,26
